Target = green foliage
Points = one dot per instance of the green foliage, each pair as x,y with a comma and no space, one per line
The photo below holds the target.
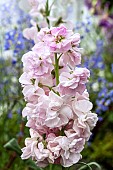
101,150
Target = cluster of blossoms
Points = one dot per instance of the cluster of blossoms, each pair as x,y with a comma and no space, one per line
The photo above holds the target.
45,14
39,10
58,109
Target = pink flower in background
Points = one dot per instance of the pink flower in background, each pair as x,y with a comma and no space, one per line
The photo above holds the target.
30,33
37,6
33,2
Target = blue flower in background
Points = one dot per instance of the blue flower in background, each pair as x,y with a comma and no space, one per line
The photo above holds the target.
95,61
112,68
14,45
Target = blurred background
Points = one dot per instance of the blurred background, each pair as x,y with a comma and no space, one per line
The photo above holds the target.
93,19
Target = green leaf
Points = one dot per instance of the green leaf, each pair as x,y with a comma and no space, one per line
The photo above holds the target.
47,8
53,167
47,12
32,164
84,166
89,165
13,145
96,164
59,21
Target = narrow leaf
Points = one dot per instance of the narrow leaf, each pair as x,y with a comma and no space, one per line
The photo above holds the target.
32,164
13,145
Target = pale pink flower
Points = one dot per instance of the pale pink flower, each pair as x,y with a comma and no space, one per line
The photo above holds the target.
91,120
82,108
32,92
68,150
58,39
50,111
40,37
71,83
25,79
30,33
81,130
75,40
36,112
32,123
77,130
65,41
28,110
61,42
35,65
41,154
58,113
29,143
33,2
70,158
72,58
37,7
41,49
72,155
84,95
35,149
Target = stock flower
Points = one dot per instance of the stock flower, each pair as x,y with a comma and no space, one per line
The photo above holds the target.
71,83
51,111
58,110
29,142
58,113
63,40
35,148
35,65
82,108
25,79
72,57
81,130
68,150
32,92
59,39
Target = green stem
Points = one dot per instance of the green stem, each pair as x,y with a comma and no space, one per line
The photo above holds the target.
63,168
50,166
56,69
